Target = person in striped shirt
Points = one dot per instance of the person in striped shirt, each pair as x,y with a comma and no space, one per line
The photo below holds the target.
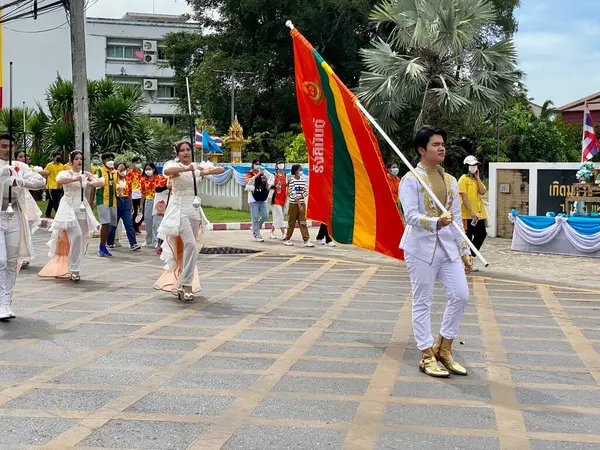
105,199
298,194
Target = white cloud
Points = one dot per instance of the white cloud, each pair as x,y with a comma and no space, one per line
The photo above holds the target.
118,8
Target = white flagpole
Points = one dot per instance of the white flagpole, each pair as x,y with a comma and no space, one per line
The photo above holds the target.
583,131
439,204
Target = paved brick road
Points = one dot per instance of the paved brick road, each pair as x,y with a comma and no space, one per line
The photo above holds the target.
290,352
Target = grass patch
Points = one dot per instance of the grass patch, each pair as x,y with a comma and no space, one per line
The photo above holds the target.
214,215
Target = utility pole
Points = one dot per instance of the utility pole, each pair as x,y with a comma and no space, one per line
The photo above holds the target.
79,69
233,73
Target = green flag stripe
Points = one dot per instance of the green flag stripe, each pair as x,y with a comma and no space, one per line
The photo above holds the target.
342,215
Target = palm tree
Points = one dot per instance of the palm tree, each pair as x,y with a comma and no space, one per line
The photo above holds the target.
548,110
429,54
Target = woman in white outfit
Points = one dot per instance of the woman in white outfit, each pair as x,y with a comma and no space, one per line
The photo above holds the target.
74,223
32,211
183,225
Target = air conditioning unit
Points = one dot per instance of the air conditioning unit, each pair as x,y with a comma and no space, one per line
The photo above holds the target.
149,46
150,58
150,84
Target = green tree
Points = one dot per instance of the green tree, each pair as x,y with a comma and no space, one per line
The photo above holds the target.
429,54
250,36
297,151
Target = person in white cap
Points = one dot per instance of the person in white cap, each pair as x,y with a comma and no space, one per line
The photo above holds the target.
471,189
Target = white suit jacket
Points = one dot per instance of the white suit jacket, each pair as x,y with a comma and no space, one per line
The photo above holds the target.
421,237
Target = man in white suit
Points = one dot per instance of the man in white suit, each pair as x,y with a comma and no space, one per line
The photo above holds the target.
434,250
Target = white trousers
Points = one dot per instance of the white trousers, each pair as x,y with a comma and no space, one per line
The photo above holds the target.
189,236
78,241
10,242
451,275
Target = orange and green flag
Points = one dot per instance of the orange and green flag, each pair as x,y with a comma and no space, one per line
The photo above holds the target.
348,186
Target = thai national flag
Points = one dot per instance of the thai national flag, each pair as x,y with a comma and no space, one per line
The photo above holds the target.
590,141
200,140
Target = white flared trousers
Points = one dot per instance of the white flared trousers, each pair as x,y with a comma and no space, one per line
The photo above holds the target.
451,275
189,236
78,242
10,242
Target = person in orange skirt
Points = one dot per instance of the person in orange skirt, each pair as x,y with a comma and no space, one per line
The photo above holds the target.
74,223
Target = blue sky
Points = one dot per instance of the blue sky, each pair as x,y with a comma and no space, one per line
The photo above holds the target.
557,42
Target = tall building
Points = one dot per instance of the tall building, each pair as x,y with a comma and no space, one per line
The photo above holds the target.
129,50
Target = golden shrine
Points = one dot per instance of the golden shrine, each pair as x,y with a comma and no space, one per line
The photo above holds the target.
236,140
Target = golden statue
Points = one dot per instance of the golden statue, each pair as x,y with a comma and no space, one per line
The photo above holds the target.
236,141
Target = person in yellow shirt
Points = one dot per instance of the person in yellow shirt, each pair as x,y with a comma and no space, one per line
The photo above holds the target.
53,189
471,189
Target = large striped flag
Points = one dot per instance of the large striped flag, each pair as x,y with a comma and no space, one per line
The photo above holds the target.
348,187
590,142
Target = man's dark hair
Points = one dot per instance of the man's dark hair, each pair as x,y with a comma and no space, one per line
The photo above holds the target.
255,161
424,135
7,137
136,159
96,155
389,166
280,161
106,156
55,154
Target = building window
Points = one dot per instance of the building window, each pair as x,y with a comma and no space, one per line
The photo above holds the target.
122,51
161,54
166,91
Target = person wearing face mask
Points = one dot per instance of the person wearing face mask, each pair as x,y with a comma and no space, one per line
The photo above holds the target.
105,199
151,181
393,180
124,206
279,189
471,189
298,195
53,189
96,163
134,178
257,186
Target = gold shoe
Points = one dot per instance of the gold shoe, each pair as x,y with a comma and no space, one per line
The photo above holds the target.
429,365
443,353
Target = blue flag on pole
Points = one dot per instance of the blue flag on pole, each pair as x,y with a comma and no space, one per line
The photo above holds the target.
209,145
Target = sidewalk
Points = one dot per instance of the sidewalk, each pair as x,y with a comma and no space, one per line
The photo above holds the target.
505,264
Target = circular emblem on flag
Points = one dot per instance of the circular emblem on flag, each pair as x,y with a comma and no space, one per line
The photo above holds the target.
313,90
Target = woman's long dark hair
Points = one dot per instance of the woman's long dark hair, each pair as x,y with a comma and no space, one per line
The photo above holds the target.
74,154
180,144
295,169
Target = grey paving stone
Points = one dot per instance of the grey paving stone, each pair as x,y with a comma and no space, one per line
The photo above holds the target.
260,335
373,315
183,404
521,308
233,363
301,409
562,445
412,370
130,358
315,385
560,397
518,301
162,344
209,321
587,322
62,399
395,441
442,416
544,360
560,422
197,332
414,355
305,313
550,333
365,304
588,312
301,324
346,352
84,306
310,304
253,347
10,374
103,328
255,302
129,318
56,317
109,377
311,365
526,320
362,338
31,431
41,355
228,310
539,376
538,346
157,308
145,434
77,341
442,390
208,380
342,325
591,334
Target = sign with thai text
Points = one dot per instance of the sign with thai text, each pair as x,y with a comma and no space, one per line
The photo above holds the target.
553,187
